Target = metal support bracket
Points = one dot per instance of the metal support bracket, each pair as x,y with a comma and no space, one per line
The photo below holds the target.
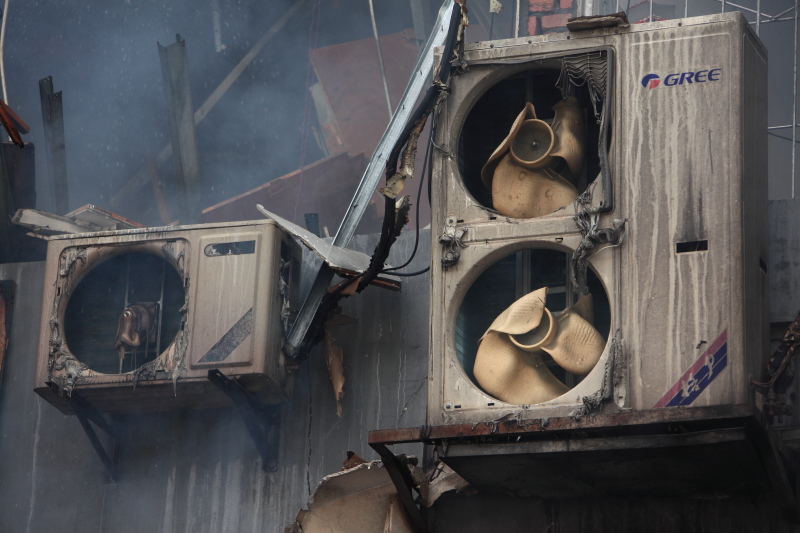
86,413
397,468
262,421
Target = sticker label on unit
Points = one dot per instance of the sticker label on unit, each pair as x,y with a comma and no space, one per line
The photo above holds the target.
231,340
651,81
699,375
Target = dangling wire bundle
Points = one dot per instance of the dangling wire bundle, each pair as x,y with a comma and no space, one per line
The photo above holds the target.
590,68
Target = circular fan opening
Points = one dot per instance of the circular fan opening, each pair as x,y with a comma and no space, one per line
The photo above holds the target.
490,120
505,282
93,313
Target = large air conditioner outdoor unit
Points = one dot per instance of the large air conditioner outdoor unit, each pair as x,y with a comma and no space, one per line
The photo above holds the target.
133,320
602,203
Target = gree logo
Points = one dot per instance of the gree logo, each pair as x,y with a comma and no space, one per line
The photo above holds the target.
651,81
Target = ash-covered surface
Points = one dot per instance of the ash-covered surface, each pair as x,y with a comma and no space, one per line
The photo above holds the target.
198,470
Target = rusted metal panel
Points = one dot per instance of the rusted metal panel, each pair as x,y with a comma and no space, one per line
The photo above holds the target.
626,421
719,462
698,451
351,77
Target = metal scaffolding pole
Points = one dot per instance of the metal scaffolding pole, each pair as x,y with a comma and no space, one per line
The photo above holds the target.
758,17
380,59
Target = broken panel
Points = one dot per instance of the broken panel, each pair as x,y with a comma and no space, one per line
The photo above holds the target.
134,319
664,228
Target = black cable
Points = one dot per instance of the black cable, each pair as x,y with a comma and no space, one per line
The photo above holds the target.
409,274
430,167
782,137
419,199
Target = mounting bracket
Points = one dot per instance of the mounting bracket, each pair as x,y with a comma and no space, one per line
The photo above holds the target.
85,413
397,467
262,420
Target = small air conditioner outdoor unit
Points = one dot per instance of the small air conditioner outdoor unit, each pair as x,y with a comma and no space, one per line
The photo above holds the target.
213,296
637,153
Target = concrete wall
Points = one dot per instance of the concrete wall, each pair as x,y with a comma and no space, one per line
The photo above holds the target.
198,470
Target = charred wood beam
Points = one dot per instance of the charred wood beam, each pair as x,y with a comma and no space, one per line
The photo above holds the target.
53,119
175,70
140,179
262,421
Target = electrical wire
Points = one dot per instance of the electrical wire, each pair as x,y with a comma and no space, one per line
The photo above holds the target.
410,274
430,163
419,199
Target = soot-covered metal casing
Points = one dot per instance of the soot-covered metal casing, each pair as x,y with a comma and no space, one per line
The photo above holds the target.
686,180
223,294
